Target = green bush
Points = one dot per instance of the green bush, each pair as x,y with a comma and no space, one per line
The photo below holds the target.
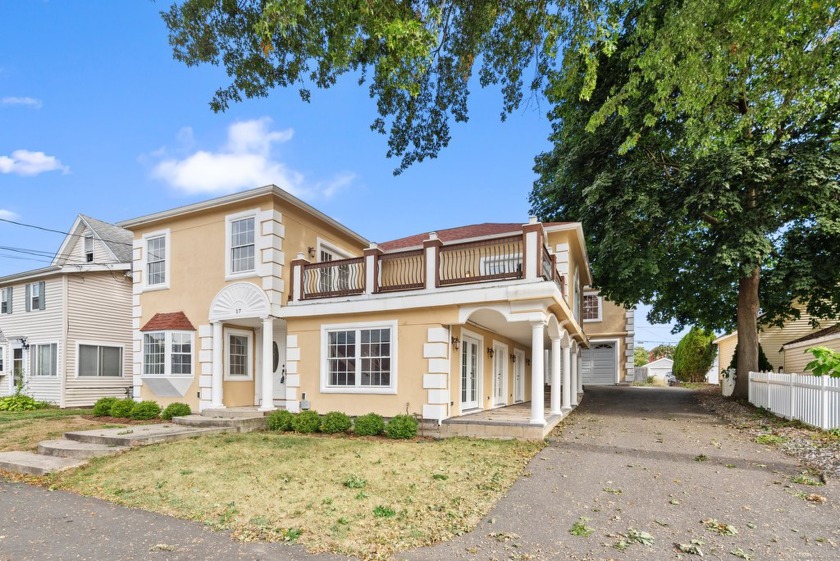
401,426
281,420
145,410
306,422
102,407
18,402
369,425
122,408
334,422
176,410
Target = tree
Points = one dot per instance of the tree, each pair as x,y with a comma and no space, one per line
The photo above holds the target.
640,356
694,355
763,363
704,163
662,351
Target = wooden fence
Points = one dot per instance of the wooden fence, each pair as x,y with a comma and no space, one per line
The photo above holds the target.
814,400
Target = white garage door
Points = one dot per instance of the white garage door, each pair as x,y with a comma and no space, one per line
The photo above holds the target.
599,365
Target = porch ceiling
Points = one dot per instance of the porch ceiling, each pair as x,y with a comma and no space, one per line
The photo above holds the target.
518,331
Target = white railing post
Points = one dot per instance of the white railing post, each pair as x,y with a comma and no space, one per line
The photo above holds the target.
824,420
297,276
533,249
372,254
431,249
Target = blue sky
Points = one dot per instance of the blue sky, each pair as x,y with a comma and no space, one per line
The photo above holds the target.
96,117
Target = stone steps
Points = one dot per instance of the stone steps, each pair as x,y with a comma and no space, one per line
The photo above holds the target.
233,413
64,448
234,424
139,435
36,464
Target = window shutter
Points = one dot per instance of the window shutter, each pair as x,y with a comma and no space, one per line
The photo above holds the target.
42,301
28,300
9,306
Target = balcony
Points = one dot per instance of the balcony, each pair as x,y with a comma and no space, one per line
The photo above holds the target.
518,257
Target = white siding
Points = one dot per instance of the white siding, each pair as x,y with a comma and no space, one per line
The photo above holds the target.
37,326
77,251
99,312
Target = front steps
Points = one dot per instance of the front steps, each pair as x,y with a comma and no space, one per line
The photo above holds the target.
232,424
36,464
65,448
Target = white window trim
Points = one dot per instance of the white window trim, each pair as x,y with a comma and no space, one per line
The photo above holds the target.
332,248
31,363
600,307
229,220
88,236
325,370
479,369
32,285
167,354
100,344
3,298
3,360
228,331
167,254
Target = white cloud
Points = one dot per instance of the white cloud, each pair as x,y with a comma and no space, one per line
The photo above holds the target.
28,101
8,214
244,161
24,162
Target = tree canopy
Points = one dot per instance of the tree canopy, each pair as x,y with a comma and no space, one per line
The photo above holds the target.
640,356
694,355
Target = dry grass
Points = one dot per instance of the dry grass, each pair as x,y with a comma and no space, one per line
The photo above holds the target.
24,430
356,496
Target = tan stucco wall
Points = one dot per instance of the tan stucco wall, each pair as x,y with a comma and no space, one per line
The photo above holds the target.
611,326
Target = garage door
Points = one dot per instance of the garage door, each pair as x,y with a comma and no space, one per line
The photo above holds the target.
599,365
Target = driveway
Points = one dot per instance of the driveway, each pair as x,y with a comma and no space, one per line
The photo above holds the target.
645,459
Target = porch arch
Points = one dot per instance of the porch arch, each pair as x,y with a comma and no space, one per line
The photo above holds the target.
239,300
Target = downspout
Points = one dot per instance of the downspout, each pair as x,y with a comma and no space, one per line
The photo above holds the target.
65,328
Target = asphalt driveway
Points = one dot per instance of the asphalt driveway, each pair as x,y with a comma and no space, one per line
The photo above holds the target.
630,465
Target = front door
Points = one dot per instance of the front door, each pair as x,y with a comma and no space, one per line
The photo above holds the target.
278,354
500,360
518,376
469,373
17,366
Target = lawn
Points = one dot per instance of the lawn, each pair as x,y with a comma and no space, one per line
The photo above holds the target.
355,496
23,430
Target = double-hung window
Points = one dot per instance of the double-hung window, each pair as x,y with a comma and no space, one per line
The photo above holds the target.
591,307
6,300
168,353
100,360
89,248
359,359
36,299
44,359
156,261
242,245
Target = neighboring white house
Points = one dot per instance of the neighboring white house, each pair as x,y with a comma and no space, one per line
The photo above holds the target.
67,327
659,369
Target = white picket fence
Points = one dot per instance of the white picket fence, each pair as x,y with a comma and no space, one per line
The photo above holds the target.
814,400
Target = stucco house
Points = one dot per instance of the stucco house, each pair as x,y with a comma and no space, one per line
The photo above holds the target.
259,300
67,327
610,329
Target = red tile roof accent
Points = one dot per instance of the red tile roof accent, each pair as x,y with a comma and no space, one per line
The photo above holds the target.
817,334
459,233
174,321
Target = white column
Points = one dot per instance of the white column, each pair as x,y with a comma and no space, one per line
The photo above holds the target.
216,371
537,374
580,372
555,377
574,381
267,365
567,377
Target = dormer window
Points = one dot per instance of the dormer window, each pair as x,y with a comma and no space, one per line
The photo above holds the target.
89,248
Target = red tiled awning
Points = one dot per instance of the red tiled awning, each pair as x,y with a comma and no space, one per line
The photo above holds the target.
173,321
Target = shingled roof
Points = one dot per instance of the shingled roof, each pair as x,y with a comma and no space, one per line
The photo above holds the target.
459,233
118,240
172,321
817,334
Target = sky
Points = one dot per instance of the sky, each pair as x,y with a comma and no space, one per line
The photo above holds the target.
96,117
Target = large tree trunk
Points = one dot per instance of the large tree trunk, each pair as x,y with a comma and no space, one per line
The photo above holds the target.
747,320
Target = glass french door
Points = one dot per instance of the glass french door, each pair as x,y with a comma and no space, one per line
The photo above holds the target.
469,373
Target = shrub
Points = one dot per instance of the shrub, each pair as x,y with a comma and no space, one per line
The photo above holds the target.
369,425
176,410
145,410
401,426
18,402
335,421
122,407
281,420
306,422
102,407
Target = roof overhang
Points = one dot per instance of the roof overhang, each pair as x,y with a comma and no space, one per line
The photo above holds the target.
577,227
727,336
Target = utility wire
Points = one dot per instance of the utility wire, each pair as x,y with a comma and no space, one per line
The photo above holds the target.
45,229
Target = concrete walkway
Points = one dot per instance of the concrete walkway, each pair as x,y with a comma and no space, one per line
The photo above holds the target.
641,458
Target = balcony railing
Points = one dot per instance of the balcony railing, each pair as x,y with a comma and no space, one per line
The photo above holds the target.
512,257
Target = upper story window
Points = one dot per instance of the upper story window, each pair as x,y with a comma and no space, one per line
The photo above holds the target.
44,359
6,300
168,353
155,260
359,359
242,245
335,278
591,307
100,360
36,299
89,248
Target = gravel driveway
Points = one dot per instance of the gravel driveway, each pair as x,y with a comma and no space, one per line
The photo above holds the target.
631,465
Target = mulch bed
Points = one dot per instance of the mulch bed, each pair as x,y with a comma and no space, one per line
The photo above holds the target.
817,449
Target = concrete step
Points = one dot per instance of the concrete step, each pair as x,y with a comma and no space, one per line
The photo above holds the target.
74,449
234,413
237,424
36,464
138,435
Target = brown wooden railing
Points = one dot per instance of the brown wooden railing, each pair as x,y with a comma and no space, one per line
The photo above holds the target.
497,258
343,277
403,270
